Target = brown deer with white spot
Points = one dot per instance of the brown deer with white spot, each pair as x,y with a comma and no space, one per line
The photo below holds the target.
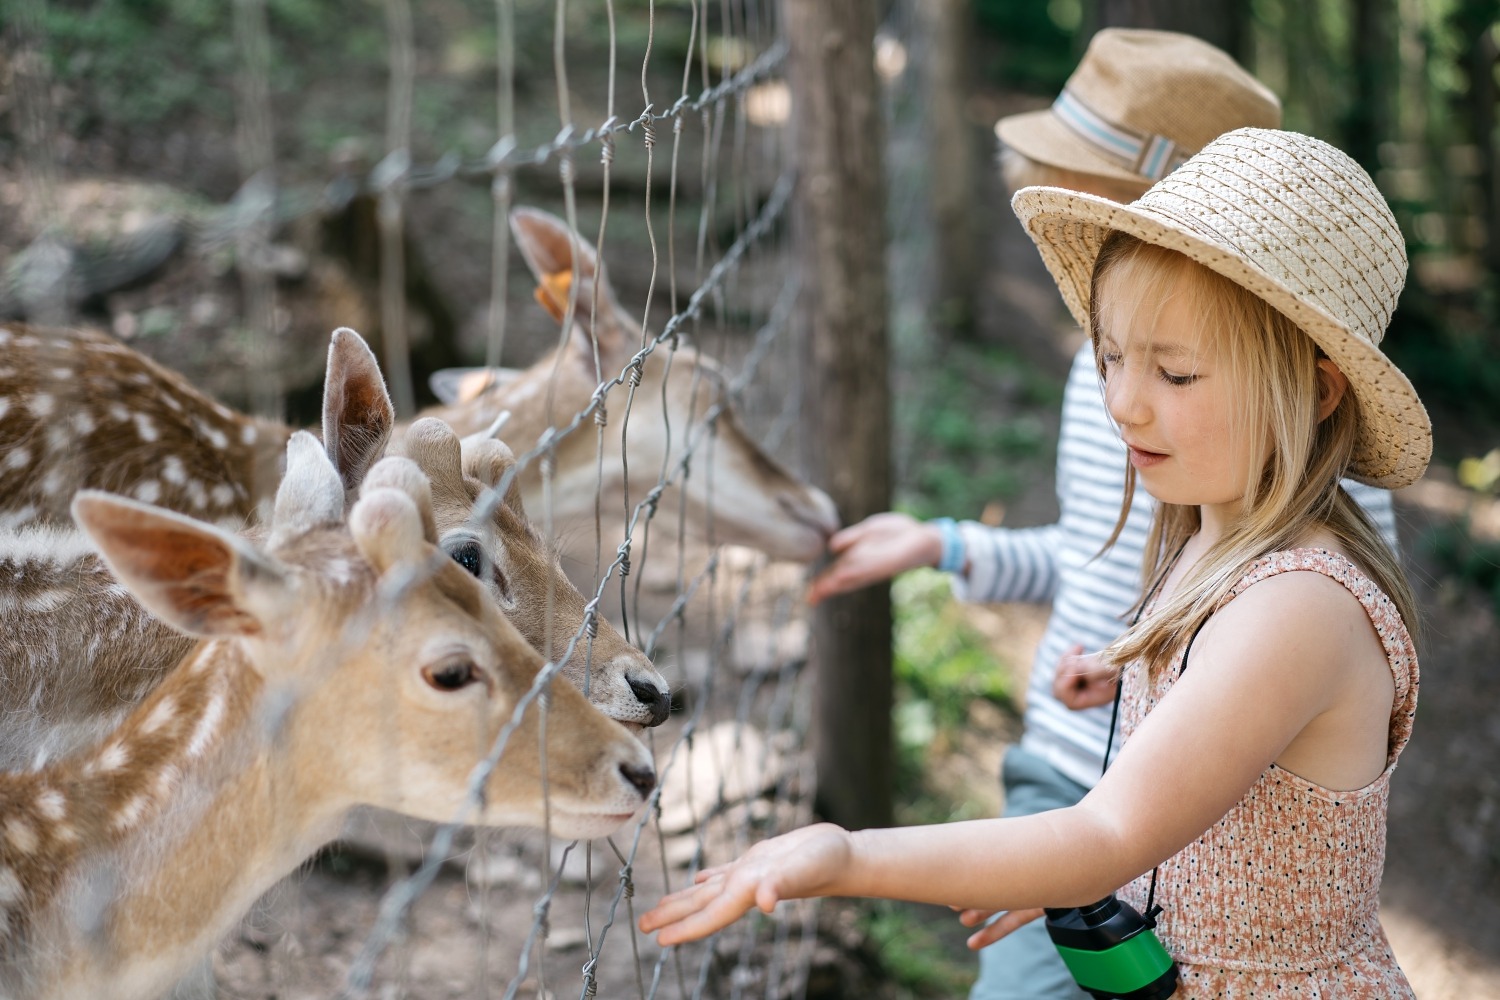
345,661
754,501
79,651
79,410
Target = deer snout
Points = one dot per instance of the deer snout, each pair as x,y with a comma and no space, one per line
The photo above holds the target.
653,696
641,777
816,517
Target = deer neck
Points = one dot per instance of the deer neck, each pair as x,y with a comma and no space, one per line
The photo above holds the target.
136,856
79,651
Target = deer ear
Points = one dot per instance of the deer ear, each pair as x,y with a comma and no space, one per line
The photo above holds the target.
195,577
488,461
311,493
461,385
550,249
357,411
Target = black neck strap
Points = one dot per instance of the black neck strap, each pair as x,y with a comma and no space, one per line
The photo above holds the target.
1114,715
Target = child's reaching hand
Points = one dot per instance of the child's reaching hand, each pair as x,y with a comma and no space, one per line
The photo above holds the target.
1009,922
1082,681
873,550
796,865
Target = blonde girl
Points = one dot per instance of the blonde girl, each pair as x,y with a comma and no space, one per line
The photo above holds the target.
1236,311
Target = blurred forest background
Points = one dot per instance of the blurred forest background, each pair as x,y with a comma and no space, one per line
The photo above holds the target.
145,100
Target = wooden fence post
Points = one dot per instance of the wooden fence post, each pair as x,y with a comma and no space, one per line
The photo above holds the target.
840,235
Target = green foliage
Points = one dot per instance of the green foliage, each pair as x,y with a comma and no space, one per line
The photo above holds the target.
968,431
911,954
1031,44
1482,475
1473,562
1448,354
940,659
942,663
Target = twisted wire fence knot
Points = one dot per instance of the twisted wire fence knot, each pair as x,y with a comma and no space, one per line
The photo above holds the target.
392,172
607,142
627,881
541,914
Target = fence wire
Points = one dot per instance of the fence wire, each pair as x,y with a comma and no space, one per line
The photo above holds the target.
722,623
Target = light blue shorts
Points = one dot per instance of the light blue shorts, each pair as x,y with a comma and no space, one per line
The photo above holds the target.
1024,965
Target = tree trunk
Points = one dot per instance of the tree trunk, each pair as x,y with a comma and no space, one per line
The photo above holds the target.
1373,52
944,29
1483,60
1219,22
840,235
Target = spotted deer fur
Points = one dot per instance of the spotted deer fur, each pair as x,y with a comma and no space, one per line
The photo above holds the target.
79,410
342,662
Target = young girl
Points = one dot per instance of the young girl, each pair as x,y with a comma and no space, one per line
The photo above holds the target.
1269,683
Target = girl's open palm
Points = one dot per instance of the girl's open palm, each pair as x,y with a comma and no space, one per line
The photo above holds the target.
796,865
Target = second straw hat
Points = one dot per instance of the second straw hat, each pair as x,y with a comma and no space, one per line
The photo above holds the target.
1138,104
1292,220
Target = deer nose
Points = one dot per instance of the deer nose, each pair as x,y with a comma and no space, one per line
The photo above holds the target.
641,777
653,697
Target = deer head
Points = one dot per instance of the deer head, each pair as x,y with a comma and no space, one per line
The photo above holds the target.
342,664
521,572
79,649
755,501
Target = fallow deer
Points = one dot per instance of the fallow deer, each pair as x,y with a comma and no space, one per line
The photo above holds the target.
345,661
755,501
79,652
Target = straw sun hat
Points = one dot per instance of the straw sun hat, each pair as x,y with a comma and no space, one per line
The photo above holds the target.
1297,223
1138,104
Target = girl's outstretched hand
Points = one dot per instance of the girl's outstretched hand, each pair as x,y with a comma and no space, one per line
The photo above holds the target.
1011,920
875,549
796,865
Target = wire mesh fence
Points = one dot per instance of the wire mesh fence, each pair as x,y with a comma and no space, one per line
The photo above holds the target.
655,482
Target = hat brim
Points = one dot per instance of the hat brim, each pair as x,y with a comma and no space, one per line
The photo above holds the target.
1394,441
1039,136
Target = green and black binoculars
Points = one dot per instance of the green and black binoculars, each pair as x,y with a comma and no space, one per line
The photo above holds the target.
1112,951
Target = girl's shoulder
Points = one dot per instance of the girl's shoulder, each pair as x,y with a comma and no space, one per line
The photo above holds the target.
1308,597
1300,585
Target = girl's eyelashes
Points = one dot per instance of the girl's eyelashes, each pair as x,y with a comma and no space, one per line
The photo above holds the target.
1177,380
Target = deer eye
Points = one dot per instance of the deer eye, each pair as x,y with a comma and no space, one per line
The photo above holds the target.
451,675
470,557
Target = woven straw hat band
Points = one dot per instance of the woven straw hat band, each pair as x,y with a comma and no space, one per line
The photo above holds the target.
1295,222
1138,104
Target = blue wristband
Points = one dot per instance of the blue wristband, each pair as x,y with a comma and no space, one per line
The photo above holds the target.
954,553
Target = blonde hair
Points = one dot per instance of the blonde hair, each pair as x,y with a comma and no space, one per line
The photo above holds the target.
1019,170
1274,364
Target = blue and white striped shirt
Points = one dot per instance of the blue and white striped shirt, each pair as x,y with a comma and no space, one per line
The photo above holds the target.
1091,593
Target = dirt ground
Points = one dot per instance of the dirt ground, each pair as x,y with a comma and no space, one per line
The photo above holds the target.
467,933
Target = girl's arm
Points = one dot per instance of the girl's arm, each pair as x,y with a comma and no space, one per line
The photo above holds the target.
1264,667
